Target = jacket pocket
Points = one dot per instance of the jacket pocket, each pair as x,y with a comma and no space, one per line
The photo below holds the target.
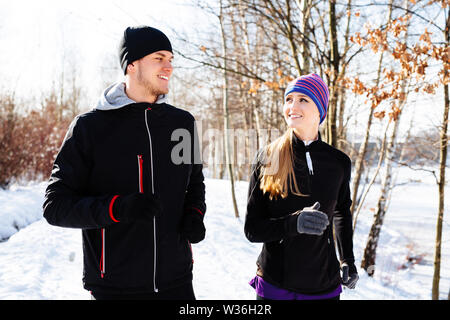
102,264
333,262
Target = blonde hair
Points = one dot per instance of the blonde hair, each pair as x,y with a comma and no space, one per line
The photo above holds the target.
277,175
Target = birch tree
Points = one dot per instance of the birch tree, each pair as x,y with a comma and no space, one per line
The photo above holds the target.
359,163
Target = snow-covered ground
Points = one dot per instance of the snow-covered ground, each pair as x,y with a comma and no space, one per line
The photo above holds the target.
44,262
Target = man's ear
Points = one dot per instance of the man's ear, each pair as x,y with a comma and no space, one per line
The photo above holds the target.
131,68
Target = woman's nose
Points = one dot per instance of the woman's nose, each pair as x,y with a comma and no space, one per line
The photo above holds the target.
296,105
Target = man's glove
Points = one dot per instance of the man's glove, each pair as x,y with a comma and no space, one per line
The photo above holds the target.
311,221
137,206
349,276
192,227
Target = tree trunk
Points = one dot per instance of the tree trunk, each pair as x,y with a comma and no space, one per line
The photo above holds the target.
369,257
442,163
305,54
254,112
368,260
370,251
226,121
290,35
359,164
342,131
334,67
377,170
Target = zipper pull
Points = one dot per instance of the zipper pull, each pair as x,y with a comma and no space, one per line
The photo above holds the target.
140,182
309,162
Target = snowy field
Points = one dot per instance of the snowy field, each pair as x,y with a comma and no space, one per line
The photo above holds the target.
39,261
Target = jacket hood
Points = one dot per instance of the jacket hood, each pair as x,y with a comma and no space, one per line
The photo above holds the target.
114,97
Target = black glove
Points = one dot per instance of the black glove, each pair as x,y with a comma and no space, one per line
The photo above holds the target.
311,221
137,206
349,276
192,227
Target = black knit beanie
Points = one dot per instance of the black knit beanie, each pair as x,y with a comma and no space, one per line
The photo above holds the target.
137,42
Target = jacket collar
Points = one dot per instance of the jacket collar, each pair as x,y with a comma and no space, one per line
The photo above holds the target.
114,97
300,146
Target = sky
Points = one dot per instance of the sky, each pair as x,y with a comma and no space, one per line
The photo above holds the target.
41,40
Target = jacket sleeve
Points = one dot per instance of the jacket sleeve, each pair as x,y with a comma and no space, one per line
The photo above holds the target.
259,226
195,193
66,202
343,219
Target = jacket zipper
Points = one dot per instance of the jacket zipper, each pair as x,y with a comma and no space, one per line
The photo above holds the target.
192,252
309,164
141,190
102,257
308,158
311,173
155,289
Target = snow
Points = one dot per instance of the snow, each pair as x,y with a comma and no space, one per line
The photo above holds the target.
39,261
20,206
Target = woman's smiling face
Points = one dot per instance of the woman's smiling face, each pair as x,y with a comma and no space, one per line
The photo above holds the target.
300,112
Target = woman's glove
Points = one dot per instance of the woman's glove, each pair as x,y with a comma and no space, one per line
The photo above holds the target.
312,221
349,276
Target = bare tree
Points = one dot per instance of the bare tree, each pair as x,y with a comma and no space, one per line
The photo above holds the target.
443,156
9,121
226,117
363,147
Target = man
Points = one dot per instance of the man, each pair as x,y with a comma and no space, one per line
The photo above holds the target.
115,179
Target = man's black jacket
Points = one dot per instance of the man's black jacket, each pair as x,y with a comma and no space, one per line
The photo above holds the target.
122,151
299,262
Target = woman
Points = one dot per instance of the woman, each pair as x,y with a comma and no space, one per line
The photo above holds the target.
294,177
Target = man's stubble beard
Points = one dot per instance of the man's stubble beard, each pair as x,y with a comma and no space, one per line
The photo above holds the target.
148,87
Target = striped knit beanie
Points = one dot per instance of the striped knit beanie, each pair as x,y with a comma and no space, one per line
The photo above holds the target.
314,87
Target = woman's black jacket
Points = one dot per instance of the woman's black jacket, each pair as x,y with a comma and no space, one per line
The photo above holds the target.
299,262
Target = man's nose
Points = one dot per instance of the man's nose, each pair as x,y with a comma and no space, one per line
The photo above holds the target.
168,66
